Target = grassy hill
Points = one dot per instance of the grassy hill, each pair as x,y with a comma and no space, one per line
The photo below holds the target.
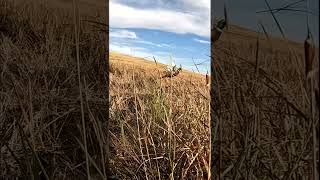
263,103
238,33
43,118
158,127
259,101
118,58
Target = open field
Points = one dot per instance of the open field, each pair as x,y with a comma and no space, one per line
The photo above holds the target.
158,126
118,58
260,99
41,126
41,116
263,124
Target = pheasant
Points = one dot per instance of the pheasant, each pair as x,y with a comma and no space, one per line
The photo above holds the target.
171,73
218,28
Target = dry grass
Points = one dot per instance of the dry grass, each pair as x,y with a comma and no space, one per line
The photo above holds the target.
262,118
263,121
262,110
41,134
158,126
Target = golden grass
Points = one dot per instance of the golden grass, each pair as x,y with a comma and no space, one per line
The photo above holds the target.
41,132
262,118
117,58
263,128
158,126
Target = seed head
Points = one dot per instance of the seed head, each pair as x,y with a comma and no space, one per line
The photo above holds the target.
309,53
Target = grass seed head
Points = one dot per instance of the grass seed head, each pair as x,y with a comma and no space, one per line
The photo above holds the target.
309,53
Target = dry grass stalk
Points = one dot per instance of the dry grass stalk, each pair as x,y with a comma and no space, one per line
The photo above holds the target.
76,17
309,50
207,79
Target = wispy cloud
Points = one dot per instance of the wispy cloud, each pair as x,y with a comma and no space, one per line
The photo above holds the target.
123,34
162,57
201,4
154,44
130,50
196,6
126,34
124,16
125,48
201,41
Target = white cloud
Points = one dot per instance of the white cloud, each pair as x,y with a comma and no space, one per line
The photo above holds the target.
154,44
124,48
161,57
203,4
123,16
201,41
167,45
133,51
186,5
123,34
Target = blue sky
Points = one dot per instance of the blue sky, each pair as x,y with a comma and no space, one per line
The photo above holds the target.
163,28
243,13
180,28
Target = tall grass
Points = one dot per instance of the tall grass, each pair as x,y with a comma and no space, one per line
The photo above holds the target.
259,91
40,116
158,126
53,107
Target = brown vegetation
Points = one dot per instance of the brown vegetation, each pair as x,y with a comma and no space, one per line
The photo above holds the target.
263,123
158,126
41,132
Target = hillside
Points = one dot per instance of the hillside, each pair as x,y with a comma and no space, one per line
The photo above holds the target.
119,58
160,121
238,33
263,103
60,122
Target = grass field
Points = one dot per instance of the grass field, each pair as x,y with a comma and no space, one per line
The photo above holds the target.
159,128
263,123
41,110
